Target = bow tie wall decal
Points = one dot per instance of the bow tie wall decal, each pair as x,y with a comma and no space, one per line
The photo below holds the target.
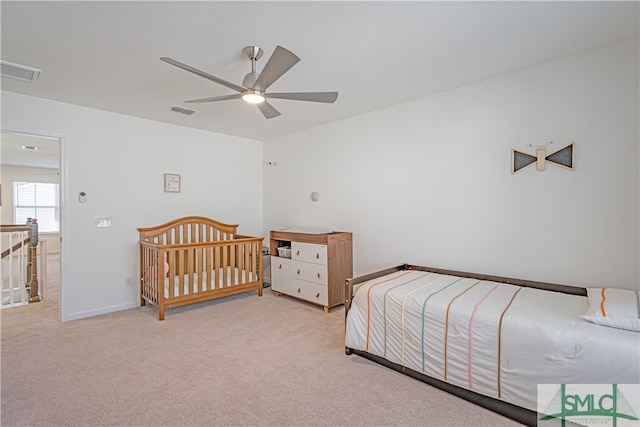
563,158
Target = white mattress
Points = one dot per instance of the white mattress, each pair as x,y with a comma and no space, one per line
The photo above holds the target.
450,328
235,276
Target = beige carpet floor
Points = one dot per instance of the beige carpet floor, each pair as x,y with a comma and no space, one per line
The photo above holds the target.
243,360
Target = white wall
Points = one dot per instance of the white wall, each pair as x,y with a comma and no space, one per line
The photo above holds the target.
428,182
120,161
8,175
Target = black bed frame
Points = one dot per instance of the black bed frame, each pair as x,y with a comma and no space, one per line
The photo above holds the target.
509,410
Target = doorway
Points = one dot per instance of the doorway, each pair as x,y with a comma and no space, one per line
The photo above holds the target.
35,158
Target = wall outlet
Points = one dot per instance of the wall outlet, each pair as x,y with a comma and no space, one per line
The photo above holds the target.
128,282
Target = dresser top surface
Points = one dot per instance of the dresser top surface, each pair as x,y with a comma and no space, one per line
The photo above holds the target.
310,238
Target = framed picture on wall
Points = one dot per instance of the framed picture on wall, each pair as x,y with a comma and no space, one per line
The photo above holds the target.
171,183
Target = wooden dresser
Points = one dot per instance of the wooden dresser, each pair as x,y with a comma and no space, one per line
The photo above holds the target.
317,268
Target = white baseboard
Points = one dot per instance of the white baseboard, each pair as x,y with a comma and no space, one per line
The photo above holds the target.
99,311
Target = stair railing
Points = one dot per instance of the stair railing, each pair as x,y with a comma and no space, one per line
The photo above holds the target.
20,264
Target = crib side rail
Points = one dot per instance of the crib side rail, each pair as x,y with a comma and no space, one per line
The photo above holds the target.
197,268
175,271
151,274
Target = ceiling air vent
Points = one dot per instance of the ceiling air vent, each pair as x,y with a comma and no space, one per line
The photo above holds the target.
182,110
20,72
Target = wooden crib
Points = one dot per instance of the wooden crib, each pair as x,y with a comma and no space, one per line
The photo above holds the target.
195,259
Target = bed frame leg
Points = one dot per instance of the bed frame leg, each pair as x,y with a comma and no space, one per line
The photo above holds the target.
260,290
160,313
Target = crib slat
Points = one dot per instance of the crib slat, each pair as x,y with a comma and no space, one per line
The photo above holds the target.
181,268
209,266
225,264
199,287
245,264
216,266
233,264
171,259
190,255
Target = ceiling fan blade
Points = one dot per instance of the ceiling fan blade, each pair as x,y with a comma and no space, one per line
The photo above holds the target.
267,110
217,98
328,97
279,63
202,74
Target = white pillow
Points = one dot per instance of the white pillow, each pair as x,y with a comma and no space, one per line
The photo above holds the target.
618,308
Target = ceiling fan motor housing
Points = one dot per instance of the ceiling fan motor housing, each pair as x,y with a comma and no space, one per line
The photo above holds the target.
250,79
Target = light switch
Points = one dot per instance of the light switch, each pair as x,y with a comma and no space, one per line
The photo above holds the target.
102,221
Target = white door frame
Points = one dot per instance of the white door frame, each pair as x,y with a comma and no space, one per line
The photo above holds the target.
63,201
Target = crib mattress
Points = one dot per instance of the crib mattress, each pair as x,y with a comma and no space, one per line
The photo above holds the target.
496,339
194,284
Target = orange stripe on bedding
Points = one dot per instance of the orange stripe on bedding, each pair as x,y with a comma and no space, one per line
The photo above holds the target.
369,303
604,313
470,348
500,338
446,326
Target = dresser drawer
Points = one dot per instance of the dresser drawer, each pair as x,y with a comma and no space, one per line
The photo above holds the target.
311,292
315,273
309,252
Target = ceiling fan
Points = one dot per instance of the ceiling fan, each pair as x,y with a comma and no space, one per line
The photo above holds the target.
254,86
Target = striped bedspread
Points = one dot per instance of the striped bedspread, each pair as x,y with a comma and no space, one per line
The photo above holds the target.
496,339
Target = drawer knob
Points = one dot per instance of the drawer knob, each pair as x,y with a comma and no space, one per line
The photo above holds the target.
317,256
298,253
298,271
298,290
318,275
318,295
280,267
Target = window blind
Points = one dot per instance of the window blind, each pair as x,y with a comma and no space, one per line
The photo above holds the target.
38,200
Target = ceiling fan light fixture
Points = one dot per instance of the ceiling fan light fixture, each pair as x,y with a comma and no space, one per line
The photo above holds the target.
253,96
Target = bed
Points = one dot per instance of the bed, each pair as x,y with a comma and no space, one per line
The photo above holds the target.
488,339
195,259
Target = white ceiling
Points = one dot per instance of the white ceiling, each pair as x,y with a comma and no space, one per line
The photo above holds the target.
105,55
44,156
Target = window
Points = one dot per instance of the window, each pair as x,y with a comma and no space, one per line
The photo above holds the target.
37,200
